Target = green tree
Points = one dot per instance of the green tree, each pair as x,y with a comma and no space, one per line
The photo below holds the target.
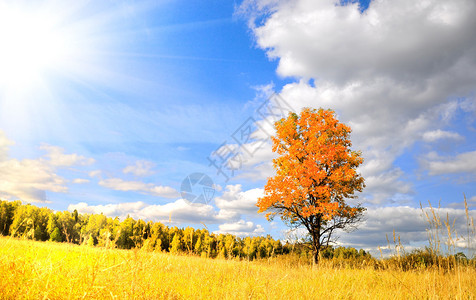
126,231
93,226
139,233
55,235
67,224
7,211
30,222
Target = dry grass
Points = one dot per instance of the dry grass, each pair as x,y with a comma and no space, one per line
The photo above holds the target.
34,270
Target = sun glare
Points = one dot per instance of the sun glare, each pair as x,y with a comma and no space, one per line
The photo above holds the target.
31,44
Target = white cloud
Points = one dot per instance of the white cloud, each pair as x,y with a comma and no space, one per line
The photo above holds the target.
217,187
57,157
119,184
80,180
232,206
467,243
240,228
408,222
235,201
461,163
111,210
398,39
435,135
29,179
385,187
95,173
388,72
176,212
141,168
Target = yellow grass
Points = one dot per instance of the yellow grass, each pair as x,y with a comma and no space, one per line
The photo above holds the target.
42,270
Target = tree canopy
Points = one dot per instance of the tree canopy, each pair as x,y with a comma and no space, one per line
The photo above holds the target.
315,176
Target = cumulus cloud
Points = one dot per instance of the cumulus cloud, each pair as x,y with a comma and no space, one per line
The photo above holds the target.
119,184
29,179
398,39
231,207
235,201
409,223
141,168
111,210
385,186
435,135
240,228
57,157
461,163
177,212
174,212
389,72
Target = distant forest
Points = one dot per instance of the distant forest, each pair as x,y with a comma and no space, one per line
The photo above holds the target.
43,224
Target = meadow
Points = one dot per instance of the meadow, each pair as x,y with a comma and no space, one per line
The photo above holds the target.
48,270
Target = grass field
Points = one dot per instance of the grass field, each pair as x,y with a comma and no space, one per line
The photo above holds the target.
42,270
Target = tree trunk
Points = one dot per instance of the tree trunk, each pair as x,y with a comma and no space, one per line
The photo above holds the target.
316,247
316,240
315,257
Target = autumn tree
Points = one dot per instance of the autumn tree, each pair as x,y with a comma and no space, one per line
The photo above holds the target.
92,228
31,222
53,228
7,211
125,234
315,175
176,243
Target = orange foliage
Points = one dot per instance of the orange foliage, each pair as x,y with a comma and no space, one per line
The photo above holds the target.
315,170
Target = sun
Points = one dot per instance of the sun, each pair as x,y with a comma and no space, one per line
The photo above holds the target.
32,44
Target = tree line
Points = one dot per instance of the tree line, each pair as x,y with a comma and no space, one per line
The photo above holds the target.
43,224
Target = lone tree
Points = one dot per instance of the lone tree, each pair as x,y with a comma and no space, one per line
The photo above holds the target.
315,174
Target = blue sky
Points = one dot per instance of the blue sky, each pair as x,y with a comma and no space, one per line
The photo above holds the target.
106,106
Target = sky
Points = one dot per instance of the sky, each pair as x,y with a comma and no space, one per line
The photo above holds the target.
136,107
